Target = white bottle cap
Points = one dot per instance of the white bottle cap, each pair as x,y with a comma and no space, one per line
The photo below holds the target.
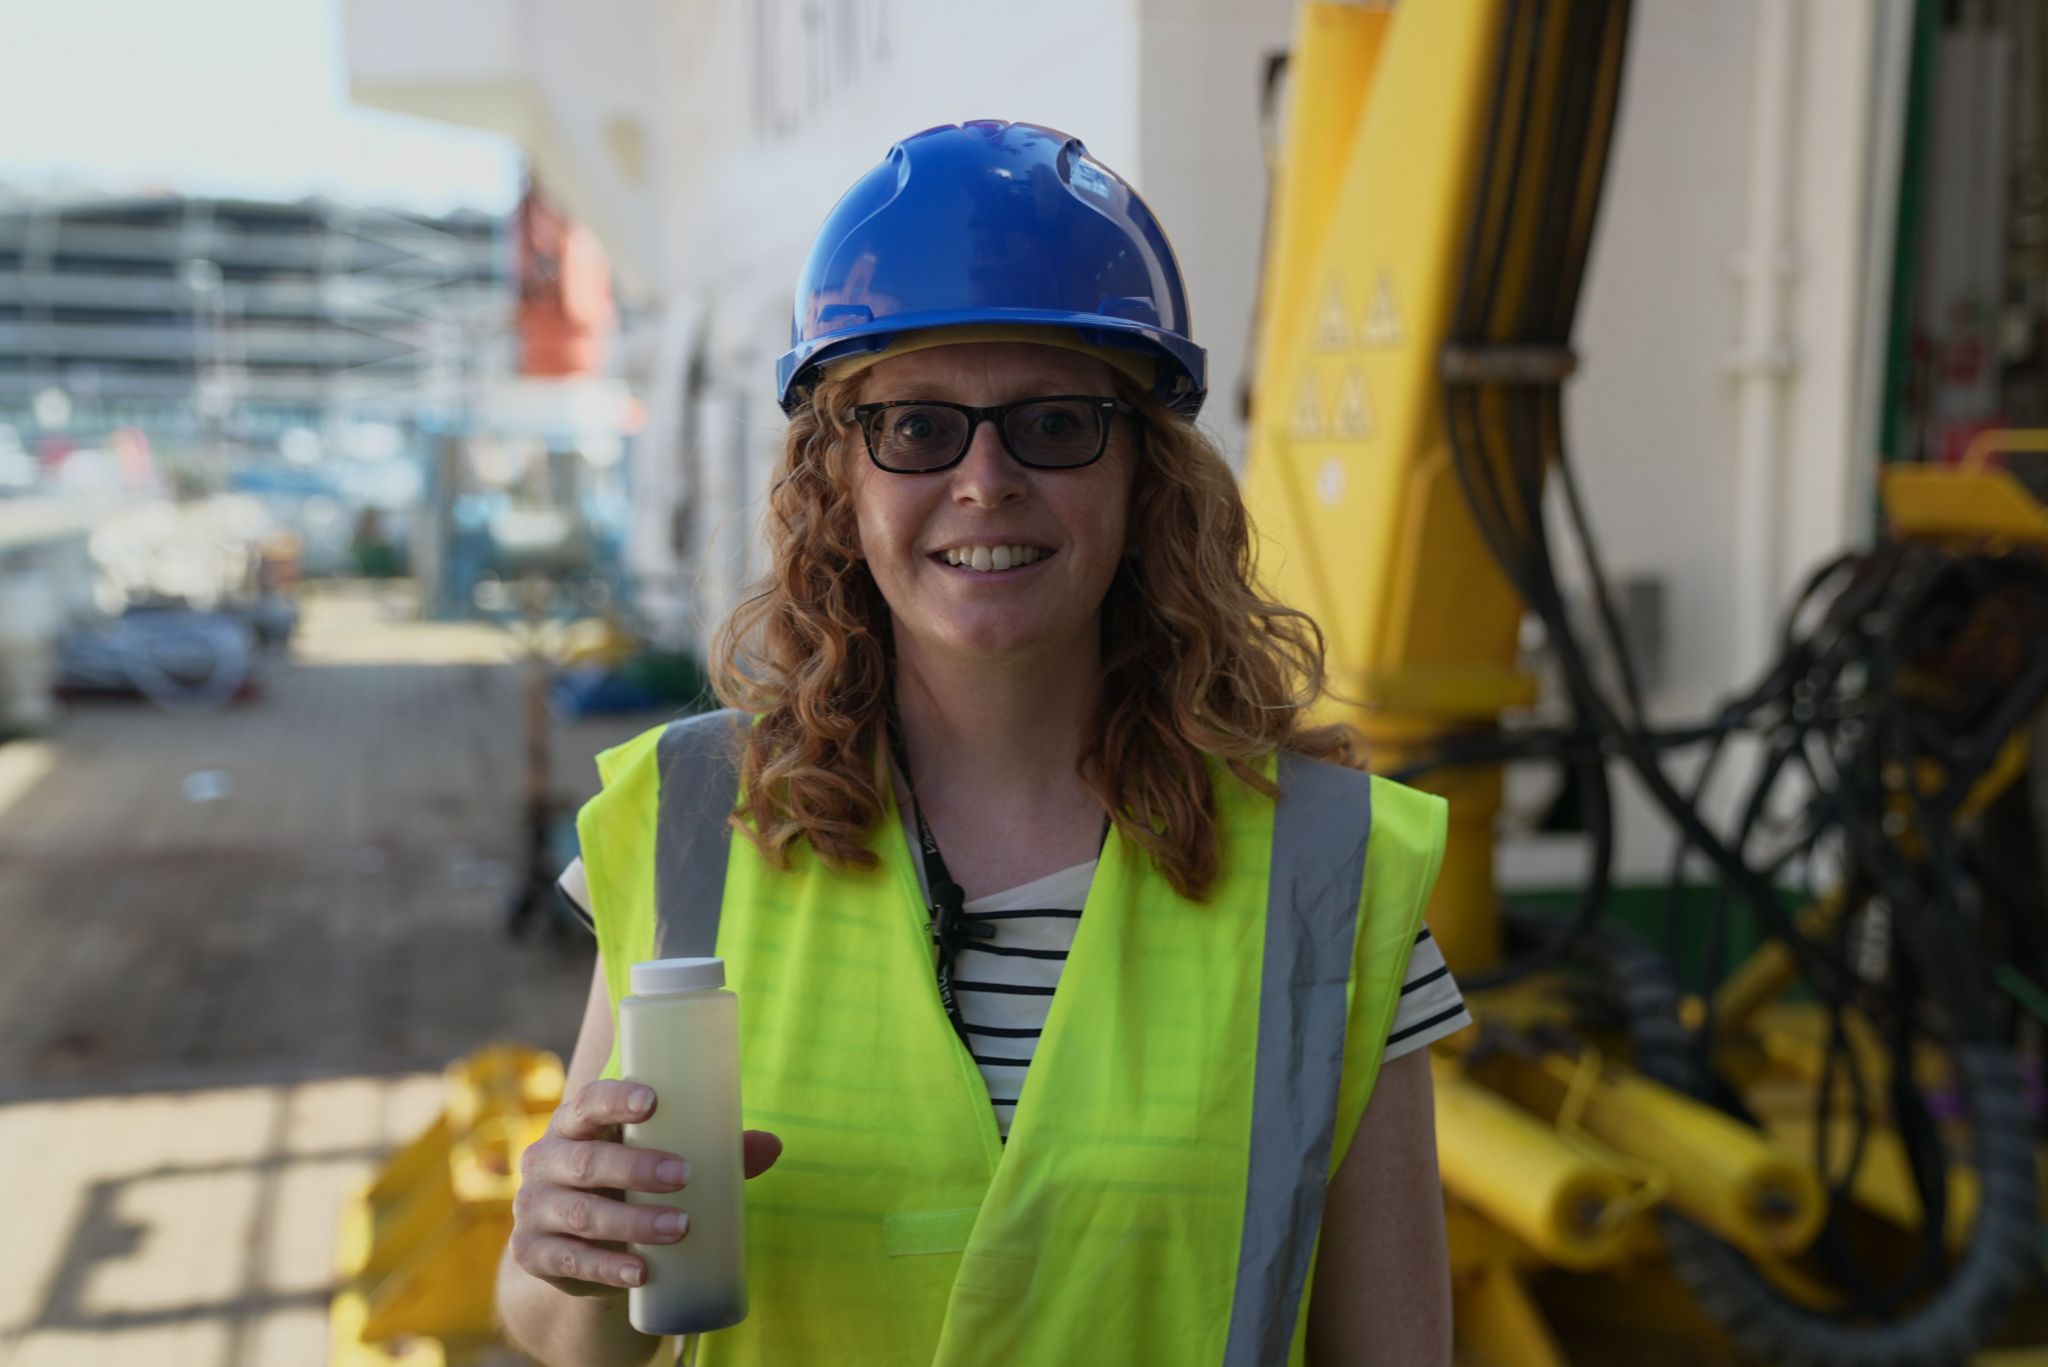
653,977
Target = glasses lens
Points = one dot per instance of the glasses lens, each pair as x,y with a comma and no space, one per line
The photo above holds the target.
1055,431
917,436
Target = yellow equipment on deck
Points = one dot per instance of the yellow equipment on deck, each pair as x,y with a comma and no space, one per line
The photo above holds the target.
419,1246
1561,1161
1350,482
1348,472
1973,500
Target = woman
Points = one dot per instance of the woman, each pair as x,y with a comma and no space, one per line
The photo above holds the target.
1018,721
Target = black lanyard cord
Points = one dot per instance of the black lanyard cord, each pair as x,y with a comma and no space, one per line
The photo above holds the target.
950,928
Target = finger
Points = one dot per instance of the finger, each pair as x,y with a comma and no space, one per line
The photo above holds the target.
600,1165
580,1268
759,1149
588,1216
602,1104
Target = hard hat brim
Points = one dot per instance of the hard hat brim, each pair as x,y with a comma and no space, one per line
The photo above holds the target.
1179,383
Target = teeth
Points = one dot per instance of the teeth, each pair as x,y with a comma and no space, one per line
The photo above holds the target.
992,558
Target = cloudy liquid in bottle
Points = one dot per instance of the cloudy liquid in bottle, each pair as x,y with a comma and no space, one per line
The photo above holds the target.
679,1034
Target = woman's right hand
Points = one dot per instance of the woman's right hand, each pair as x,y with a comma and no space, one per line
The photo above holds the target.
569,1225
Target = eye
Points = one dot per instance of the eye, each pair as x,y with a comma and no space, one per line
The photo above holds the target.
1054,431
913,426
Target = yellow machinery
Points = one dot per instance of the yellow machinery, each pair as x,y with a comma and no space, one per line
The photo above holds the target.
1414,332
419,1246
1347,468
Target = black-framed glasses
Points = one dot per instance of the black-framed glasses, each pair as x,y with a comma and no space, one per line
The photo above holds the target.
1051,432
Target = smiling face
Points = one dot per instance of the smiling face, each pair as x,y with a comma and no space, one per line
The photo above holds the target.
934,542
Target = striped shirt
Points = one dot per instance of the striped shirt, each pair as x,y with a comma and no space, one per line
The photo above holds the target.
1004,984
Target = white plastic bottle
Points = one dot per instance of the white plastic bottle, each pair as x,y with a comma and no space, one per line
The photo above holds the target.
679,1032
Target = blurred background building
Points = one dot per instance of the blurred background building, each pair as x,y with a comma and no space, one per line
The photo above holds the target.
290,352
173,312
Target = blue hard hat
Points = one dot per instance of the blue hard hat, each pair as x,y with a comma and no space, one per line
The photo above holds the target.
990,223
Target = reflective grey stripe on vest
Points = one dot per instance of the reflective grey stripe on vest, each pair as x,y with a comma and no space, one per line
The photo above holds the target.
1319,837
699,785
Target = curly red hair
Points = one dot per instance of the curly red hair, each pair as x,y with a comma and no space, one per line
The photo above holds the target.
1197,663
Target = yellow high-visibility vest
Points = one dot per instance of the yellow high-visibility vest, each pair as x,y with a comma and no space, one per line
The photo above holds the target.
1201,1073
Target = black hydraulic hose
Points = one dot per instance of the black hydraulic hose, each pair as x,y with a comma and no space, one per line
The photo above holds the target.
1544,600
1774,688
1598,149
1831,1245
1926,1155
1821,969
1961,1311
1940,953
1562,745
1592,134
1564,127
1674,879
2022,699
1488,515
1922,1143
1591,905
1521,32
1603,601
1490,512
1717,926
1958,1317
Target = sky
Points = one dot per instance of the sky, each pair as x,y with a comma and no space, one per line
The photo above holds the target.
244,97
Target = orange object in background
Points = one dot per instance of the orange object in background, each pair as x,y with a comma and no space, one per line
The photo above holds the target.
130,446
565,291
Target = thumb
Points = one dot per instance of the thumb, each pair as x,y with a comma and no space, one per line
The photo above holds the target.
759,1150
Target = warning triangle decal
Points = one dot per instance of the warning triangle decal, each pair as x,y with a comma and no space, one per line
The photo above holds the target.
1354,412
1333,324
1382,320
1308,408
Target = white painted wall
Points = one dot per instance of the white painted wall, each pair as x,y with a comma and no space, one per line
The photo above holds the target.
1649,420
1200,71
1664,338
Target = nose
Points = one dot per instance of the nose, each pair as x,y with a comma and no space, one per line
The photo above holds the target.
986,475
